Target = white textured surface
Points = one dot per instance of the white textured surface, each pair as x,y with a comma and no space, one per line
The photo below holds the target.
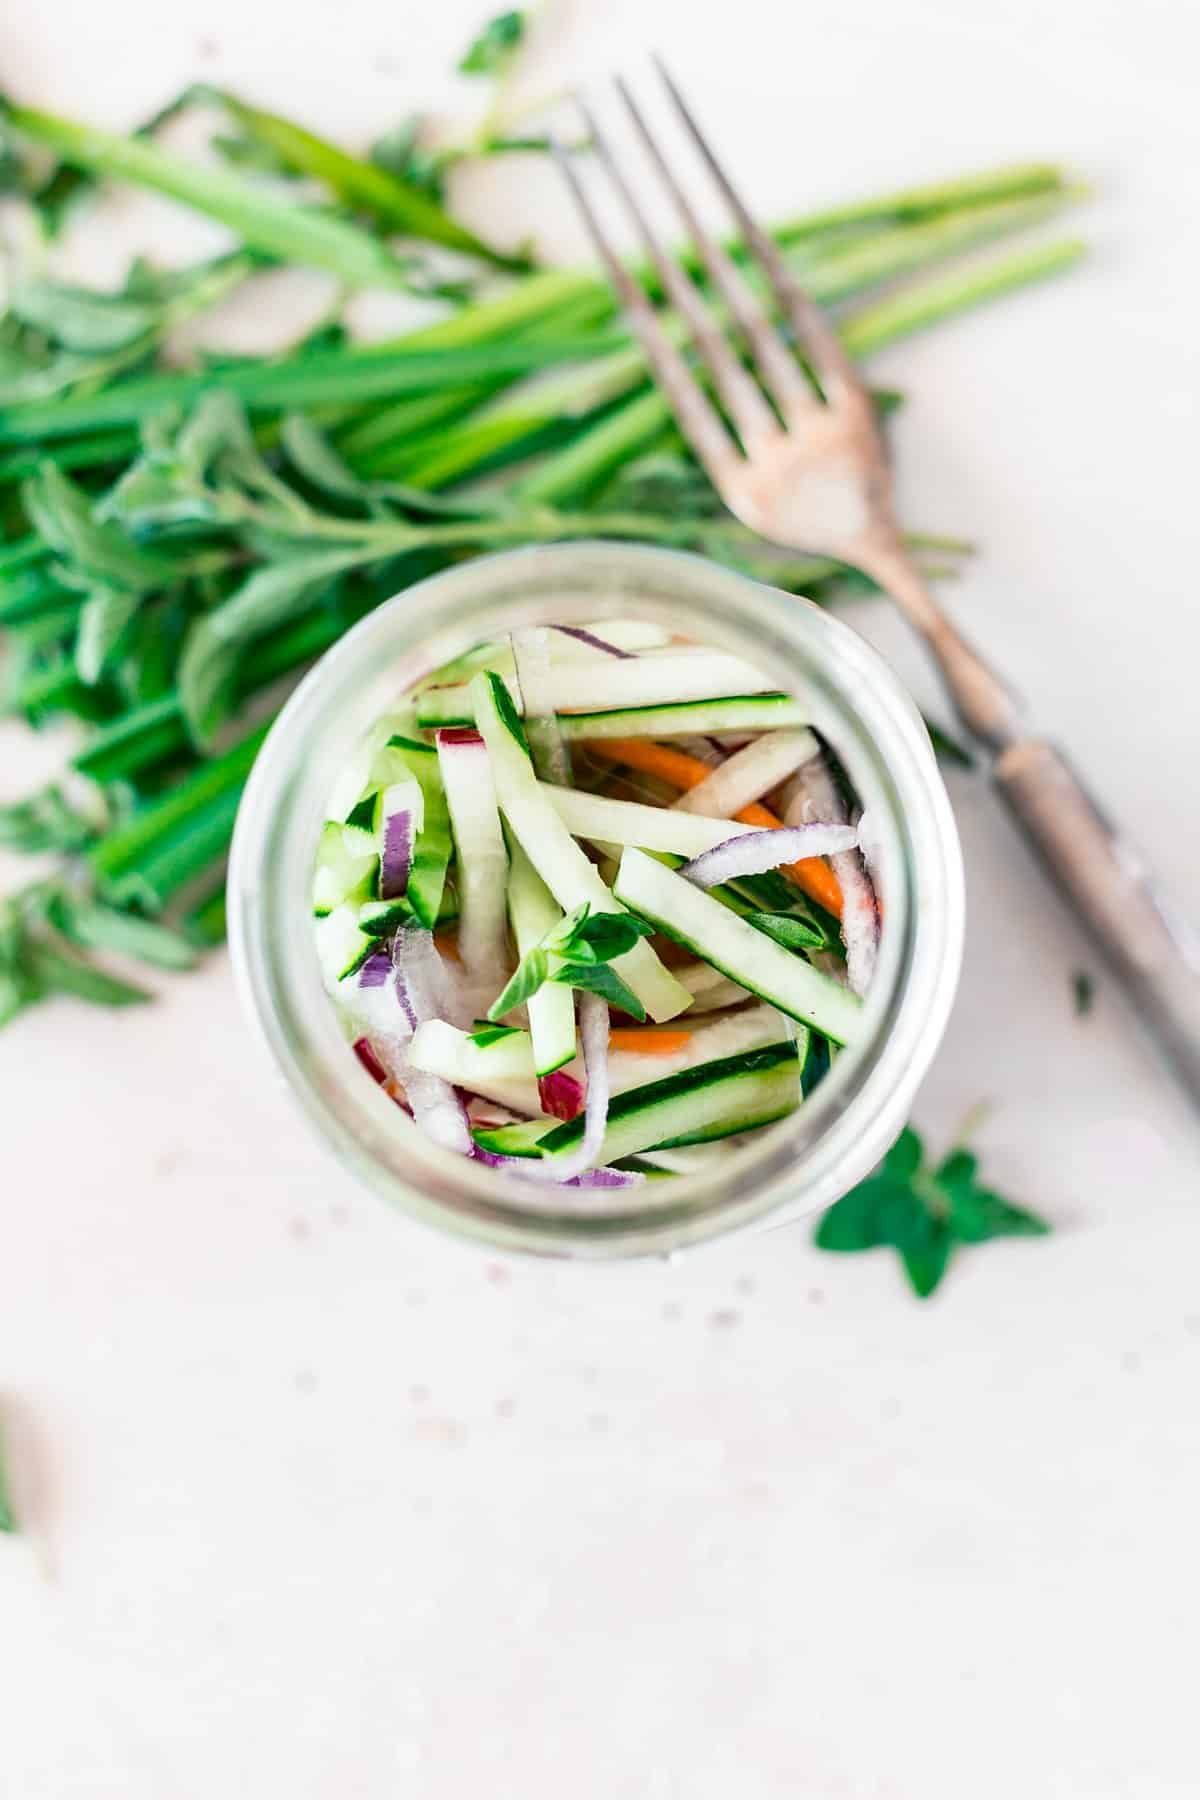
329,1508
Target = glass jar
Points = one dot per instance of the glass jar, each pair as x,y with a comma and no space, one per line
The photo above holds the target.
804,1162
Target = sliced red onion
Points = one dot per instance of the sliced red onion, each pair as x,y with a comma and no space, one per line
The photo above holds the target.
376,971
757,851
547,747
593,1042
594,642
459,734
814,792
395,864
560,1094
437,1107
590,1178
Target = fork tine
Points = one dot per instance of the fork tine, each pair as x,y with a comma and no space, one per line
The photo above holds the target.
780,372
752,417
697,418
815,336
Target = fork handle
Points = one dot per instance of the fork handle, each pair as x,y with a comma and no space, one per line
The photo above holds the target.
1101,874
1108,885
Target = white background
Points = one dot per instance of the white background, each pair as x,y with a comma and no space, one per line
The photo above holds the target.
324,1507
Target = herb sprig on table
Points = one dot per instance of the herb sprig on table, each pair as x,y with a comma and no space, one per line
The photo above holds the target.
923,1211
178,544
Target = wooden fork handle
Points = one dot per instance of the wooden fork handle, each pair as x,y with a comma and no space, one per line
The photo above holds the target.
1105,881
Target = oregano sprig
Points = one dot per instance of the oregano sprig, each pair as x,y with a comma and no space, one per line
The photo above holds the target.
578,952
923,1211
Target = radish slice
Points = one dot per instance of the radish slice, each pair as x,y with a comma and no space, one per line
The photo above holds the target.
815,795
750,773
366,1055
560,1094
757,851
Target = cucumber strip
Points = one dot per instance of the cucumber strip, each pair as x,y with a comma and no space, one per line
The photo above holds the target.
501,1069
692,917
693,1106
565,646
346,867
341,946
534,911
597,816
400,758
585,684
697,718
562,865
482,859
383,918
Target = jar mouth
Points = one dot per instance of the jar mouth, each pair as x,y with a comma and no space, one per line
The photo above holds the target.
799,1164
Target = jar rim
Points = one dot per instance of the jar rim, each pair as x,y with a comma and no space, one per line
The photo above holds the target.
877,732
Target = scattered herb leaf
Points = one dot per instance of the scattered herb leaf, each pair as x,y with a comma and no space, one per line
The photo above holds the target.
577,951
922,1212
1083,989
492,52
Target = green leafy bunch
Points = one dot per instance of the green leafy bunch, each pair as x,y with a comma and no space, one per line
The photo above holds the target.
923,1212
578,952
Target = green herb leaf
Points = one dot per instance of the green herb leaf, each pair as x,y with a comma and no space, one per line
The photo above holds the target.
576,952
365,187
401,152
59,974
603,935
492,52
81,319
531,972
601,978
208,667
788,929
1083,989
105,928
922,1213
92,551
101,625
44,821
925,1252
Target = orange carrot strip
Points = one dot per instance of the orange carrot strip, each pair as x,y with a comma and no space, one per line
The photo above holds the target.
447,943
648,1041
683,771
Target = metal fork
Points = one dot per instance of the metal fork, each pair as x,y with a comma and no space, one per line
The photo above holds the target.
797,455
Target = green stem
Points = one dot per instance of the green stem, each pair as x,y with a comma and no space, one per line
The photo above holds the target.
180,855
336,377
123,849
841,274
640,423
279,228
362,186
942,296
